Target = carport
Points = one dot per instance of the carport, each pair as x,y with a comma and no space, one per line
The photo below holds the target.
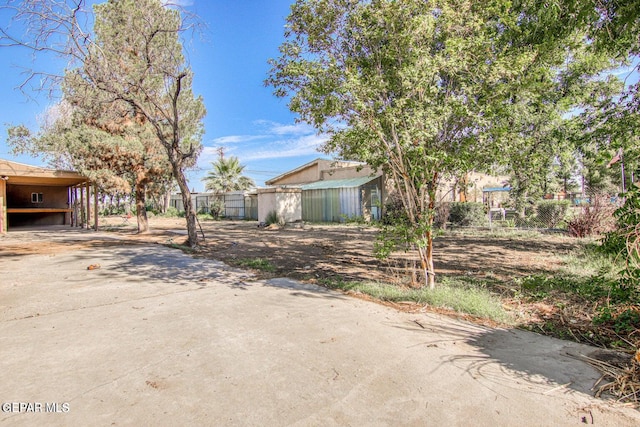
35,196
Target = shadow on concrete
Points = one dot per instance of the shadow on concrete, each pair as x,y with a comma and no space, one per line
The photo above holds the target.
306,290
156,262
511,357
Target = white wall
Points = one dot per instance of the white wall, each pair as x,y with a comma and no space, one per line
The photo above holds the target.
287,202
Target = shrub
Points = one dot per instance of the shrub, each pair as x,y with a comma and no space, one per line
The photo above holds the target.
273,218
467,213
216,208
624,241
549,213
172,212
593,220
442,215
394,213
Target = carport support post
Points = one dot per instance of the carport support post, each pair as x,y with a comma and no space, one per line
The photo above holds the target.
68,215
81,216
74,190
95,207
88,186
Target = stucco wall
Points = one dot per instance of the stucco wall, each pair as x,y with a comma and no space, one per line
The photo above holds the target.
303,176
287,202
19,196
347,172
321,169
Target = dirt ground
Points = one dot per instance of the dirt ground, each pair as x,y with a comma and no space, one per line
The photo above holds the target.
313,251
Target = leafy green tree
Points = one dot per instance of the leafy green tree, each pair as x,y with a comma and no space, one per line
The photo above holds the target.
127,68
425,91
612,126
226,176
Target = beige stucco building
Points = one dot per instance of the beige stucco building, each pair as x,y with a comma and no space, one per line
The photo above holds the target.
322,170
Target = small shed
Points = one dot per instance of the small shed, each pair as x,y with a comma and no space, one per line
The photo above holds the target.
339,199
34,196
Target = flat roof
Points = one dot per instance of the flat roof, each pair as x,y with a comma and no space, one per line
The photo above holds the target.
21,174
495,189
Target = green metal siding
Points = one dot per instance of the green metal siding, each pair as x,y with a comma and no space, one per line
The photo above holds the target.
331,204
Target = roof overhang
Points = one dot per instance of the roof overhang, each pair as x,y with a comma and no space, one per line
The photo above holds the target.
495,189
20,174
338,183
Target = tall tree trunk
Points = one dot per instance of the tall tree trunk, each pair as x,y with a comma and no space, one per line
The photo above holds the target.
166,200
141,208
189,213
431,276
430,273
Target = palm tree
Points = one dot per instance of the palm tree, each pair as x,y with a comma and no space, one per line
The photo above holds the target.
227,176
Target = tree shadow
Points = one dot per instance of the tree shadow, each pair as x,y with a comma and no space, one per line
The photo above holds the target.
147,262
306,290
512,358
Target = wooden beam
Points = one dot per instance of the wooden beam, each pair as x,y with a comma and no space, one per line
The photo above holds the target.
81,216
88,187
95,206
74,191
37,210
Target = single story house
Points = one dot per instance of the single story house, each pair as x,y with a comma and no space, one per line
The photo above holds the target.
35,196
321,170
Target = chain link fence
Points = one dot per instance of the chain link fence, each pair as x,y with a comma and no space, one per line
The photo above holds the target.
559,215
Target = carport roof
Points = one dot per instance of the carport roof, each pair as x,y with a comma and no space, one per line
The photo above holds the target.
21,174
495,189
338,183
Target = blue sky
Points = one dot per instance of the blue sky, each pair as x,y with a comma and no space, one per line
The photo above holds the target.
229,61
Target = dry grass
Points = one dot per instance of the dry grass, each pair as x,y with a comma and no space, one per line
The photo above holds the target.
623,381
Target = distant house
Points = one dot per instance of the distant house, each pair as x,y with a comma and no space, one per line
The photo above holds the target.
324,191
34,196
322,170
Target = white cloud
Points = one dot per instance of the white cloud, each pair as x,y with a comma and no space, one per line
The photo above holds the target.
623,71
275,128
236,139
178,3
303,146
271,141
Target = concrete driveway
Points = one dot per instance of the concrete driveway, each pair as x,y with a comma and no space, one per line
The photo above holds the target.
157,337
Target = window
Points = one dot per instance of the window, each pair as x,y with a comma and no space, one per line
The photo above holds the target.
36,198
